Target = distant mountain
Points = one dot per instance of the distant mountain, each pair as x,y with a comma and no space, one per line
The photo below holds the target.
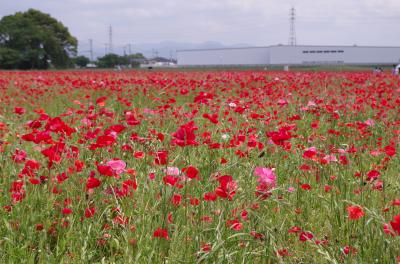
165,49
168,49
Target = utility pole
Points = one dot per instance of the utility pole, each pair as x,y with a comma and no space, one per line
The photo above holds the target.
105,48
292,31
127,49
110,40
91,49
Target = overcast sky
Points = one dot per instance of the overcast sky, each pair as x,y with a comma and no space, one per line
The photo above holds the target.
255,22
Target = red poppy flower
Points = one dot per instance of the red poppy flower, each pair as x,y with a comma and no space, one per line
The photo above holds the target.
19,110
355,212
305,236
89,212
305,186
234,224
205,247
372,175
279,137
191,172
294,229
66,211
185,135
211,196
396,224
227,187
19,156
138,154
92,183
101,101
170,180
105,170
176,199
390,151
161,233
161,157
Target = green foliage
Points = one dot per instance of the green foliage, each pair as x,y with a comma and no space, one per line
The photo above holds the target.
108,61
34,40
8,58
81,61
111,60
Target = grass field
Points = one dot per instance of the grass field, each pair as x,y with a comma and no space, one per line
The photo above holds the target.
199,167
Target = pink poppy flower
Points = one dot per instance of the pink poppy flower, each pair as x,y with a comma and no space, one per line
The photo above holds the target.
174,171
265,176
369,122
117,166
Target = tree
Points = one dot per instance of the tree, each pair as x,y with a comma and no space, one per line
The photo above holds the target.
136,59
81,61
34,40
136,56
108,61
111,60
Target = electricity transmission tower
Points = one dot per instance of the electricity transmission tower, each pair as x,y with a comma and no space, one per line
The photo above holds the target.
292,22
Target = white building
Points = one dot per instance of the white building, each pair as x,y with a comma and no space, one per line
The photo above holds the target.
291,55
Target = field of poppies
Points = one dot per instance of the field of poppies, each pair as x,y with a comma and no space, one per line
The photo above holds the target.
199,167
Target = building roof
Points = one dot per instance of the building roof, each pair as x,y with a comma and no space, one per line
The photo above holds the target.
288,46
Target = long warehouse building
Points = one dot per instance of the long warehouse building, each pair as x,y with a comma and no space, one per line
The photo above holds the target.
290,55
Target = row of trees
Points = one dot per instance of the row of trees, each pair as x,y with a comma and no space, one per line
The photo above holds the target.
111,60
35,40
